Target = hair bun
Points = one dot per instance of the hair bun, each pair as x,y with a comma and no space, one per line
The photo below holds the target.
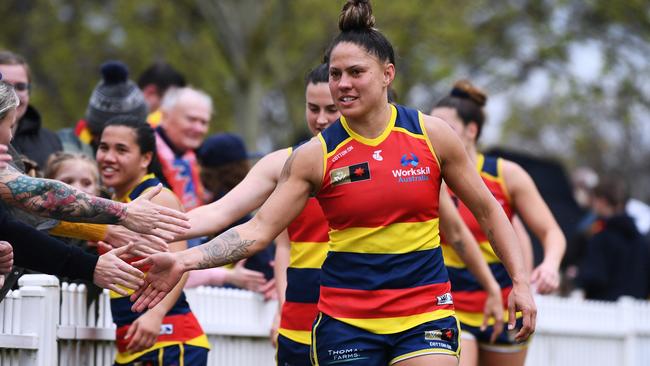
356,15
465,89
114,72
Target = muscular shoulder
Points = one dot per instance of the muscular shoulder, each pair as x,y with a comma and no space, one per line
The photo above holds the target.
305,163
515,176
167,198
443,139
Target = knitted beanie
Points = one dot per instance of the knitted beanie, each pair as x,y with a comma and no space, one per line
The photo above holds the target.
115,95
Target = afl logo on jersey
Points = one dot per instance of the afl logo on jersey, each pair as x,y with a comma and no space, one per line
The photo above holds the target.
350,174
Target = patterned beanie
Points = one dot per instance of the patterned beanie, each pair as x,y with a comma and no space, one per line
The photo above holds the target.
115,95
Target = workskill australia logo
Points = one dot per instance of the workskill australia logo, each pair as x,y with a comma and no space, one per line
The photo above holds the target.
410,172
350,174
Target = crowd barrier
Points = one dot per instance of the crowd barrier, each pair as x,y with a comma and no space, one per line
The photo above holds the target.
42,324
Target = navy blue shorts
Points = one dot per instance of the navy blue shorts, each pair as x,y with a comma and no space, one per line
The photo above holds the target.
174,355
292,353
335,342
505,342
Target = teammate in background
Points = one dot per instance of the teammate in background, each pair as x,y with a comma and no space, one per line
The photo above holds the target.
169,331
376,173
515,191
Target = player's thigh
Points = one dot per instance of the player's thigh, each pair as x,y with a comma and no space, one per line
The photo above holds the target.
468,350
496,358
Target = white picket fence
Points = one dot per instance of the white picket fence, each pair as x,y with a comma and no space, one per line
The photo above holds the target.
36,331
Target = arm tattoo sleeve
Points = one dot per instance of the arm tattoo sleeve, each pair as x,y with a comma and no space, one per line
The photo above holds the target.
225,248
58,200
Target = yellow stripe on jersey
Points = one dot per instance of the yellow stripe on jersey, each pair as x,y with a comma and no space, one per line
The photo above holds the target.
300,336
307,254
427,139
398,238
476,319
452,259
126,357
398,324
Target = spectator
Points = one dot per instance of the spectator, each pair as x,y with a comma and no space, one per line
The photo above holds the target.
30,137
154,82
186,113
115,95
224,163
617,260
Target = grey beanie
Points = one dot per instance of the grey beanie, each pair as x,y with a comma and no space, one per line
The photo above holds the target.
115,95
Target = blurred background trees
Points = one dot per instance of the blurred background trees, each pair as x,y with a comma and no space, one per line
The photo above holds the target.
568,79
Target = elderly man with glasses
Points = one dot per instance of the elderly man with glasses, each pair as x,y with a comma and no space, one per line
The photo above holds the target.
31,139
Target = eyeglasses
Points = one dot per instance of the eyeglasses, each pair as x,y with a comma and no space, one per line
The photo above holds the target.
21,87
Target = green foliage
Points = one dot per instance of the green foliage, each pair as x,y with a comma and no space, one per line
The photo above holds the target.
250,53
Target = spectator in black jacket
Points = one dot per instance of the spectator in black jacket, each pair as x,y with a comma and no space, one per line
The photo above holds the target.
30,137
617,260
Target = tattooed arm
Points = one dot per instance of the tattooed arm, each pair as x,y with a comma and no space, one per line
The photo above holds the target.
57,200
300,176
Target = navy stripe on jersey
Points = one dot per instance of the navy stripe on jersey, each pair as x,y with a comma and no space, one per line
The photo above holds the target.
462,280
302,285
490,166
336,134
122,314
137,191
408,119
362,271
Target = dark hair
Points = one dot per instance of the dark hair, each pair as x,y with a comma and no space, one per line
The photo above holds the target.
319,74
468,101
10,58
145,136
221,179
614,191
162,75
357,25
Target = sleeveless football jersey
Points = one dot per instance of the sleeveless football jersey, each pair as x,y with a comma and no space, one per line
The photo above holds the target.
384,272
309,244
179,324
469,296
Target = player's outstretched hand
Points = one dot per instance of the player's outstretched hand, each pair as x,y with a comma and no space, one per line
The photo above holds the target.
146,217
165,270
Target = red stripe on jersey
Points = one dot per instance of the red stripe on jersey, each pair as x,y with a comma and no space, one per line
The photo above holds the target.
183,327
310,226
298,316
474,301
379,304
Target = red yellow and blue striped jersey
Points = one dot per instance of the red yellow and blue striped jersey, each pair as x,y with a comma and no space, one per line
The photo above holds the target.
309,245
179,324
469,296
384,271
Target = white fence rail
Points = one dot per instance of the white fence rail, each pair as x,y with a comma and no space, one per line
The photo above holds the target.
42,323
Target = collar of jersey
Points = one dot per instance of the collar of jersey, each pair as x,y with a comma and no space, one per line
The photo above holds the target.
377,140
126,198
480,159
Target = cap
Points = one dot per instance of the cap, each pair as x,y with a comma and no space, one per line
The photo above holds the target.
222,148
114,95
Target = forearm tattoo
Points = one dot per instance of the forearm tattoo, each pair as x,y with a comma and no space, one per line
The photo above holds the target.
225,248
57,200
